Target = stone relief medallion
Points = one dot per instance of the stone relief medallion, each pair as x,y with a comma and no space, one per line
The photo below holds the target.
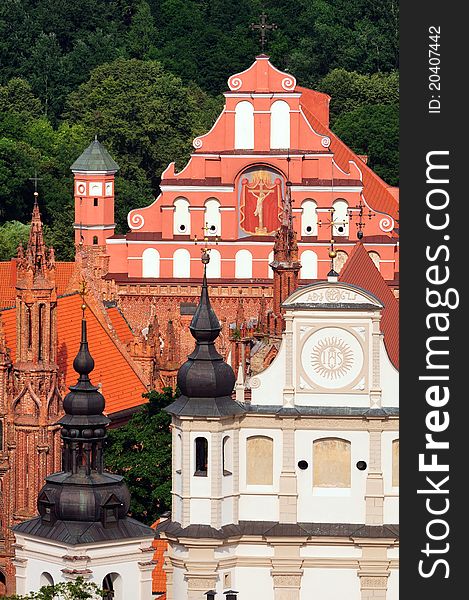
332,358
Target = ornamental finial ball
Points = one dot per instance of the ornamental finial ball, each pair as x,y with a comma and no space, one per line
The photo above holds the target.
332,253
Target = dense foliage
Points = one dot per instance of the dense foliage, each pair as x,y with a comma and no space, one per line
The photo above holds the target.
72,590
140,450
146,76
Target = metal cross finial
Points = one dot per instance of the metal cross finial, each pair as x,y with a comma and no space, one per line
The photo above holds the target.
263,27
35,179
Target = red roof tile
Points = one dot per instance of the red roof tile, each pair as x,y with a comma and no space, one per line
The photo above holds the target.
63,274
361,271
377,193
122,328
158,575
120,384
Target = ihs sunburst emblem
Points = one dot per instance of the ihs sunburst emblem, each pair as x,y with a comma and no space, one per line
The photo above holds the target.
332,358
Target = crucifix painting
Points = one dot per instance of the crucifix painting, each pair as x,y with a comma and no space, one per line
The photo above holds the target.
260,202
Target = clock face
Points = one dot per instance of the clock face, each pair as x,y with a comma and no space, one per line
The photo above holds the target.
81,187
96,189
109,188
332,358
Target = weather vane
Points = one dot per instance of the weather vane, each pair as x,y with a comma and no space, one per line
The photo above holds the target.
206,241
331,222
357,211
263,28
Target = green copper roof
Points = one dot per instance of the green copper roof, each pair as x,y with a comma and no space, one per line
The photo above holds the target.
95,158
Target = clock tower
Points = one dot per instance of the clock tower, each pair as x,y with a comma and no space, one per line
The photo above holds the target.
94,174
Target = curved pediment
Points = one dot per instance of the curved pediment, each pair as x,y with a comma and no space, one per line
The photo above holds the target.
262,76
332,295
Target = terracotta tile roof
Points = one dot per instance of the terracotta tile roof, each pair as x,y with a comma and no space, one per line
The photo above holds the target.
361,271
120,384
122,328
7,283
158,575
379,195
63,274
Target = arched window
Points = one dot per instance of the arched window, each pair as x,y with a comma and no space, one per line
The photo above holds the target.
244,125
340,216
95,240
340,260
309,265
375,257
46,579
182,263
112,587
151,263
214,266
3,584
29,324
309,218
280,125
40,331
212,217
395,463
259,460
331,463
201,457
178,453
270,271
182,218
227,455
243,264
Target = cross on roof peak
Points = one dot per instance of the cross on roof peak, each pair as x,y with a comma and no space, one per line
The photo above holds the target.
263,28
35,179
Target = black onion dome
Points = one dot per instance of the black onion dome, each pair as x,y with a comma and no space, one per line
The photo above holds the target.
83,404
205,380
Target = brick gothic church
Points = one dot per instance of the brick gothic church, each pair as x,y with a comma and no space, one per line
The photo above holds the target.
270,190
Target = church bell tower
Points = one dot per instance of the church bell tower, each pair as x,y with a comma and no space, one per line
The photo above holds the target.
94,174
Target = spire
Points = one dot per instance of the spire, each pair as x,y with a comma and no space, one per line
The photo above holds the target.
205,325
36,248
83,503
285,265
205,380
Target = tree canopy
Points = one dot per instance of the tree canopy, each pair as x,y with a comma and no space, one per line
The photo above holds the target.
71,590
146,75
140,450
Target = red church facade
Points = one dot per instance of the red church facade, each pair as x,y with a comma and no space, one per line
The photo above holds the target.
270,131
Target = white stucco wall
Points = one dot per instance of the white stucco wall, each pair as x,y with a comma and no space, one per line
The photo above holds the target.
330,584
331,505
389,379
391,494
120,557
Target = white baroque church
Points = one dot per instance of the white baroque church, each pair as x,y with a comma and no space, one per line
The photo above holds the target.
289,492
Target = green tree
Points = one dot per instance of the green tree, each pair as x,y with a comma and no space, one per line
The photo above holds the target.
374,131
140,450
18,161
12,233
145,116
17,97
72,590
350,90
45,69
142,35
